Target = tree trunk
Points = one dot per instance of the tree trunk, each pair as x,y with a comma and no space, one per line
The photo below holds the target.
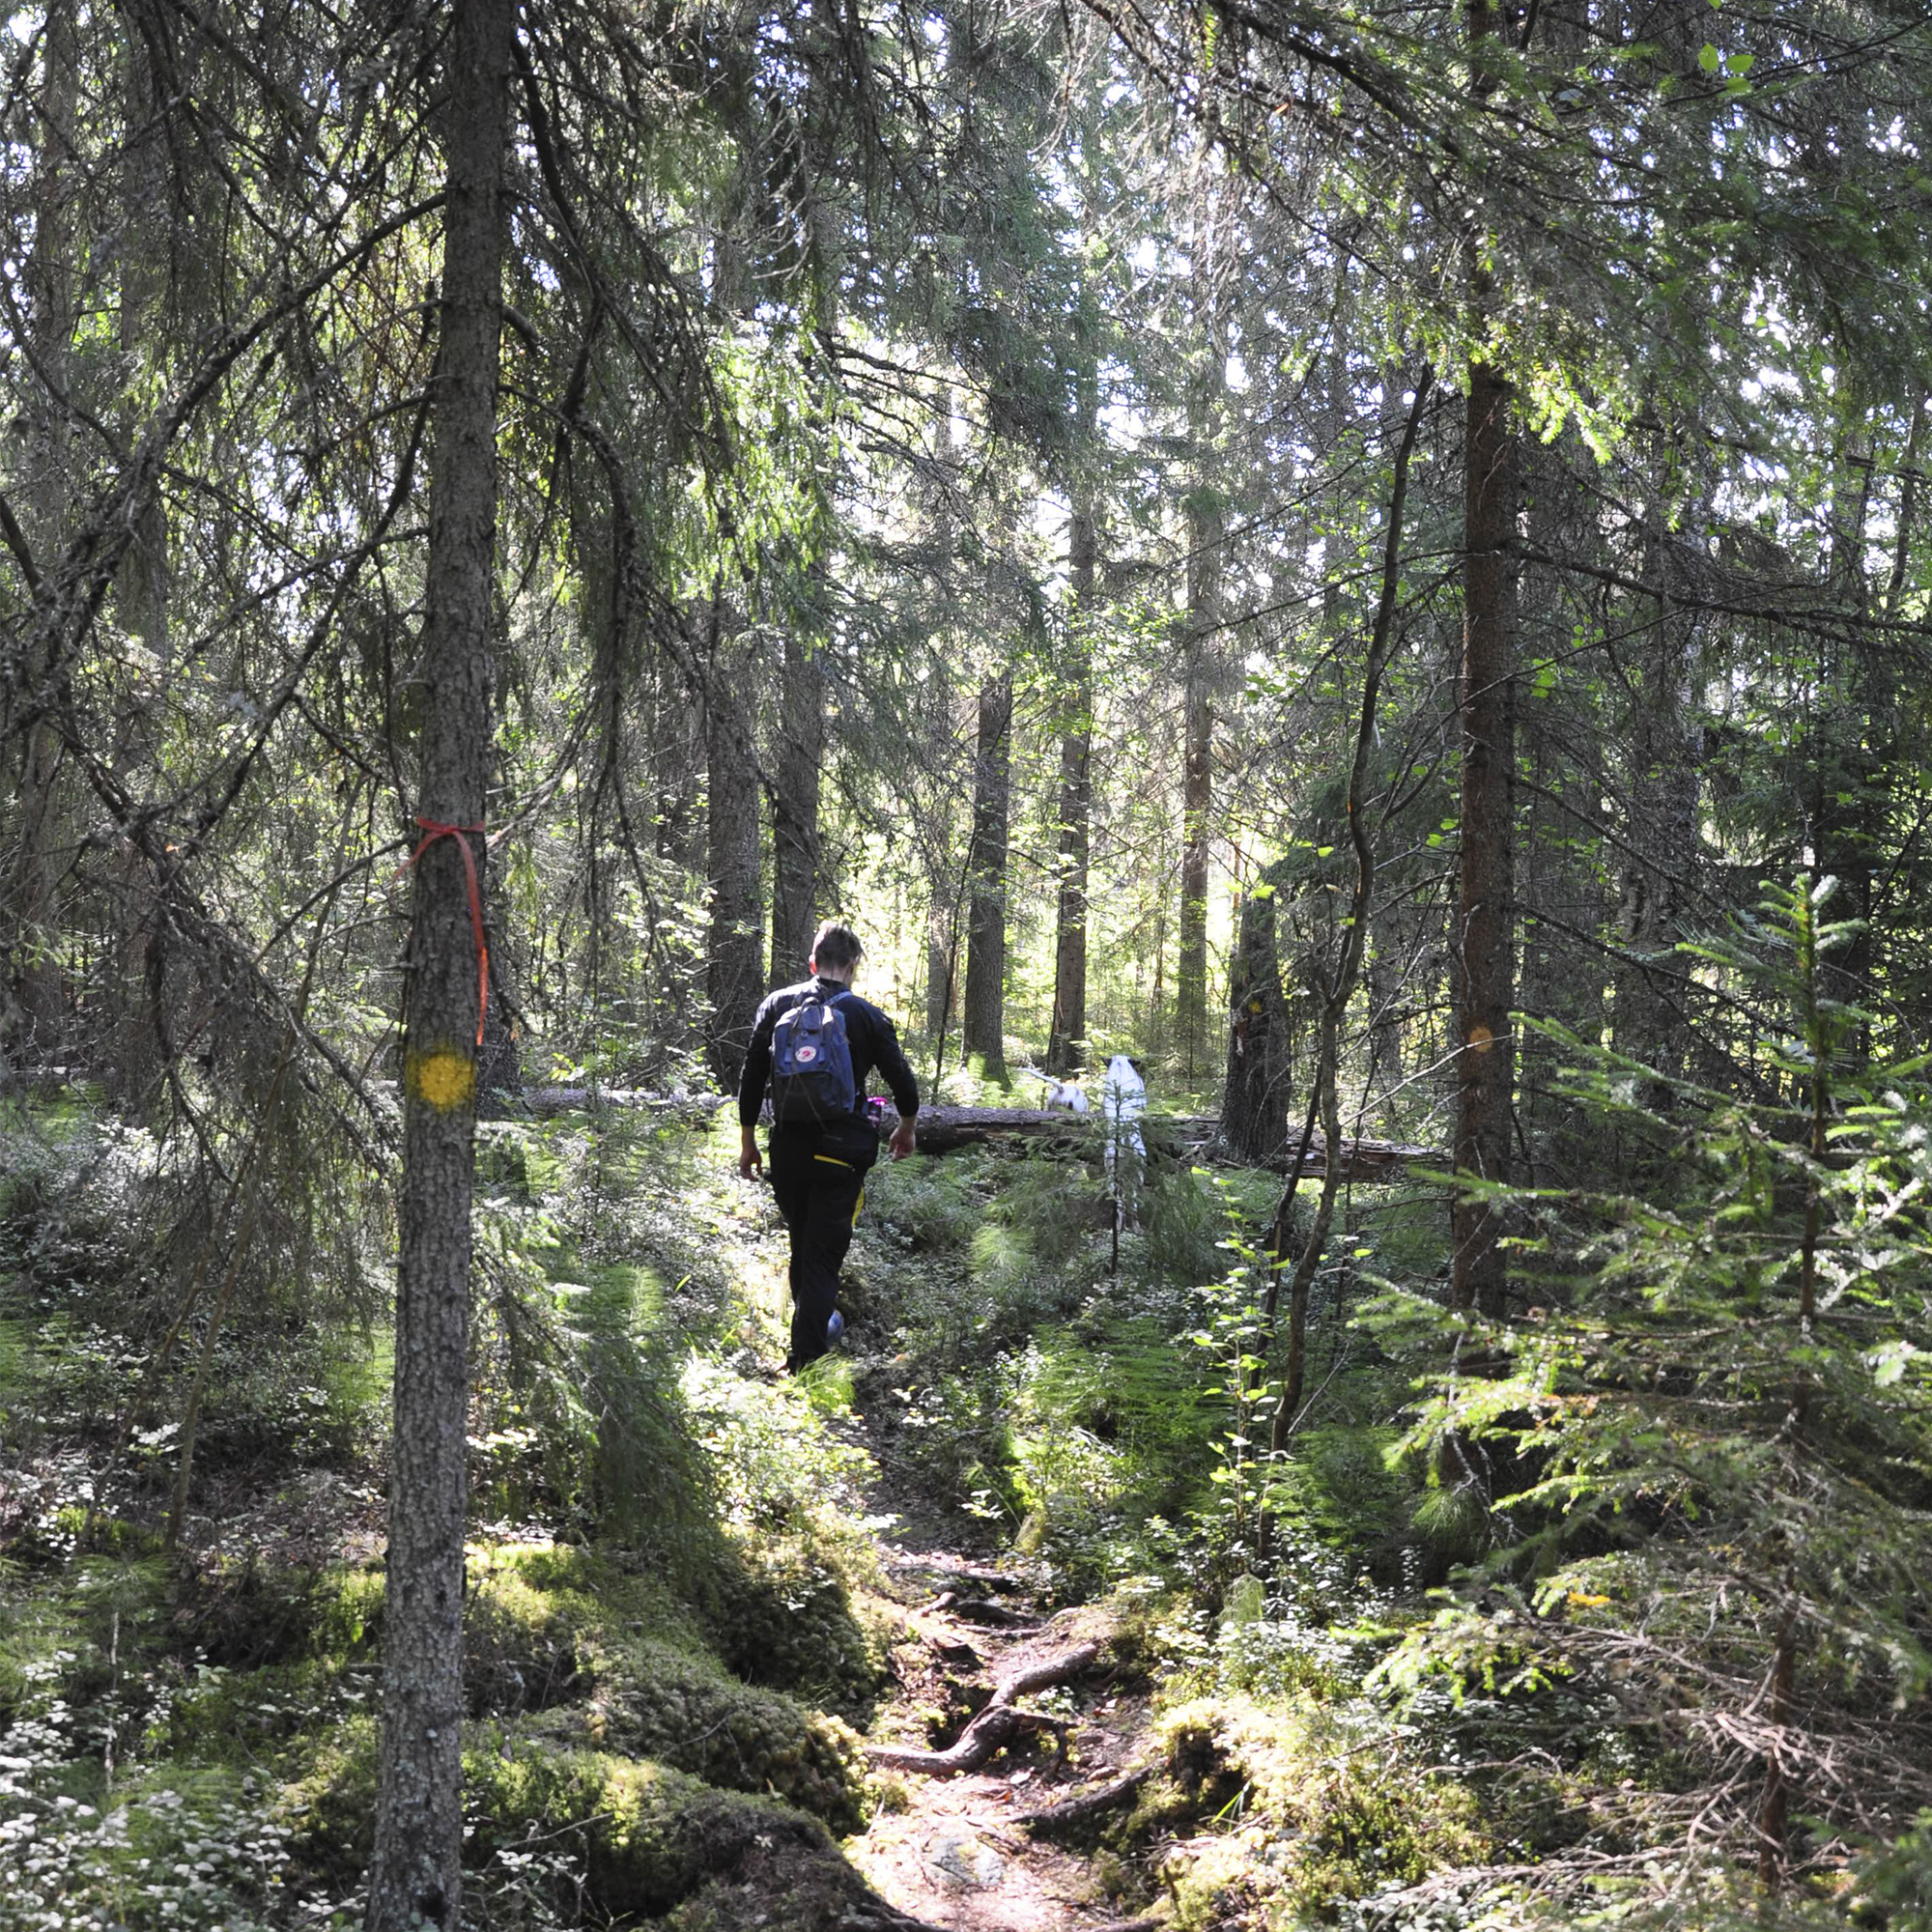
795,846
734,969
942,868
1067,1036
1254,1107
734,950
1387,984
1851,798
1341,989
1485,925
797,851
416,1873
34,1016
141,583
1650,1020
984,1029
1206,537
1067,1032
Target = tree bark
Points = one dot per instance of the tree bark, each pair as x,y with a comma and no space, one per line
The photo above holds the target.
1485,922
734,950
984,1029
795,843
141,585
733,968
141,593
35,1008
797,849
942,870
1254,1104
1067,1032
416,1872
1207,538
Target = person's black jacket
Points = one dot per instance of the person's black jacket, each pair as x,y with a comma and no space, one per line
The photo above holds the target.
873,1041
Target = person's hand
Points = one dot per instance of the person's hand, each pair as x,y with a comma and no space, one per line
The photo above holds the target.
748,1162
902,1140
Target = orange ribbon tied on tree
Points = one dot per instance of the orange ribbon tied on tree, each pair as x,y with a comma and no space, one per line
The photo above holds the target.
432,830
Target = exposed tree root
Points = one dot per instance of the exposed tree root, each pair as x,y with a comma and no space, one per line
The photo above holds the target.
1087,1805
999,1724
875,1916
983,1610
1047,1672
951,1648
996,1580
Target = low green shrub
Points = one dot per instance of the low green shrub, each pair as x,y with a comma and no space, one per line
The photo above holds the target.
932,1205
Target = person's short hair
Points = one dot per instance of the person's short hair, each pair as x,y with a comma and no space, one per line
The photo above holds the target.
837,946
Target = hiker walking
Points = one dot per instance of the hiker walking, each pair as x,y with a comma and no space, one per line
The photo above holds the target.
816,1042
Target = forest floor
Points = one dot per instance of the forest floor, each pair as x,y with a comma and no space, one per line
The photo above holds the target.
740,1649
957,1850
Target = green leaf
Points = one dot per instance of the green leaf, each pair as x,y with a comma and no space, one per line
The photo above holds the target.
1710,59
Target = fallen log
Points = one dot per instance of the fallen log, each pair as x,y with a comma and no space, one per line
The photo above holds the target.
1193,1136
950,1567
546,1102
946,1129
999,1724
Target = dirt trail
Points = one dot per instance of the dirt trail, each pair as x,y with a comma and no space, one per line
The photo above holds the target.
961,1853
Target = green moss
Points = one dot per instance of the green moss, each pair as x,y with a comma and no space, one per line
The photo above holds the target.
783,1617
548,1628
651,1835
1311,1809
330,1802
688,1714
648,1835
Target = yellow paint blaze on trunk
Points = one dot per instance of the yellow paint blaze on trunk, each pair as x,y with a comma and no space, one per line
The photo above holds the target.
444,1078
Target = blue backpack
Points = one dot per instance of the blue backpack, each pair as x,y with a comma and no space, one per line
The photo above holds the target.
811,1065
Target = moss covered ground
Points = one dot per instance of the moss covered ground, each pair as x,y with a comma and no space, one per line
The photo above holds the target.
696,1589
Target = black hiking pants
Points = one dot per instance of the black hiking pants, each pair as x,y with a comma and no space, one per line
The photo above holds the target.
820,1185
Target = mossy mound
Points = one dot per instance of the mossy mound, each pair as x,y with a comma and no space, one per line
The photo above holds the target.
646,1836
550,1629
773,1886
651,1836
1315,1809
683,1711
783,1617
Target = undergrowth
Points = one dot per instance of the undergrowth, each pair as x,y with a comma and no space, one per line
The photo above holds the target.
676,1624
